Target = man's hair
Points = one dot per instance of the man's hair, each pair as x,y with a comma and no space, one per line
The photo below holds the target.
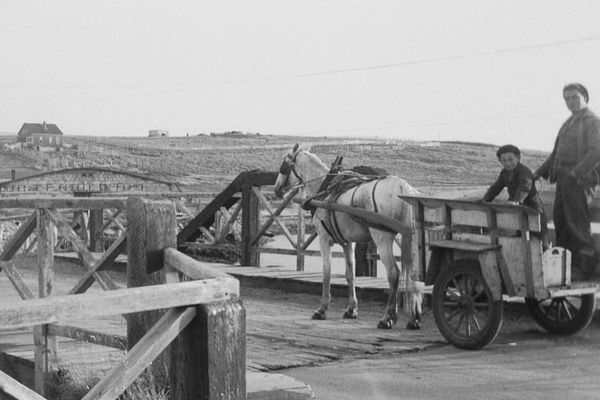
508,148
580,88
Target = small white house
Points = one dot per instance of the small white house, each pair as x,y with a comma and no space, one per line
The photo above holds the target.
158,133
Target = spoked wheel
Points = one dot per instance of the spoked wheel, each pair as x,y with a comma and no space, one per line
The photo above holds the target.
563,315
465,312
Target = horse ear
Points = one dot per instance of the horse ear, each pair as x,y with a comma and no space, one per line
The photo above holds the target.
296,147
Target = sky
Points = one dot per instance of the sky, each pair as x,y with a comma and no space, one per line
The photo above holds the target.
479,71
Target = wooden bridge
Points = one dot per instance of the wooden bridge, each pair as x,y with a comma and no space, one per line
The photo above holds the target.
204,305
149,238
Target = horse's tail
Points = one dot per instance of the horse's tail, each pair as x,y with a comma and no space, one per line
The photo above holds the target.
414,286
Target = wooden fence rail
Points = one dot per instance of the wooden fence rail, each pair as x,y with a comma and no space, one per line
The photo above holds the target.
195,328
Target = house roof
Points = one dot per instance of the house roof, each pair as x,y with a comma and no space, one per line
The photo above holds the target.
43,128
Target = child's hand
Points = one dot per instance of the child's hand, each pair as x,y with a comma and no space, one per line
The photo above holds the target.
514,203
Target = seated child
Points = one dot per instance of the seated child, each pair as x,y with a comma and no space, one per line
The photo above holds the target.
518,180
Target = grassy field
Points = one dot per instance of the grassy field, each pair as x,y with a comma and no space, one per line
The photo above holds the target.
209,163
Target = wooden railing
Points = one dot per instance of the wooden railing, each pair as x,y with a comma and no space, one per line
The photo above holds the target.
201,322
248,197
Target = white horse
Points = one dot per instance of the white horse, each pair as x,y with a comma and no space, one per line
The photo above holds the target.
301,167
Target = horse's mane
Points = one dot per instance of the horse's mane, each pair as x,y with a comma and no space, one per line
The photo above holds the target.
315,159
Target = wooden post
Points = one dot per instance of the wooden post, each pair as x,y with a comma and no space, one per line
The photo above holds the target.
209,357
151,228
80,217
96,235
45,346
250,221
300,241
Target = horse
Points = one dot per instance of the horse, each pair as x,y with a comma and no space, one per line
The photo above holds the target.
301,168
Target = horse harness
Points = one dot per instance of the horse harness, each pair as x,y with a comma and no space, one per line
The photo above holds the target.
338,185
335,184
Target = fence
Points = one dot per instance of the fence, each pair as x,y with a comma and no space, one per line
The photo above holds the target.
202,329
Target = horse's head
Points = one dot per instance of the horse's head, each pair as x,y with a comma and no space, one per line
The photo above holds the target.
288,176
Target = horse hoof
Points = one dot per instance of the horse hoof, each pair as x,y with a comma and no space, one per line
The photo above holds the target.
350,314
319,315
384,324
413,325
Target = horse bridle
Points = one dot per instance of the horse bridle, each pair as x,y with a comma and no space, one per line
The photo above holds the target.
288,167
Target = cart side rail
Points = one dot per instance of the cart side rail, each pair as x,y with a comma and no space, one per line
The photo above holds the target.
515,229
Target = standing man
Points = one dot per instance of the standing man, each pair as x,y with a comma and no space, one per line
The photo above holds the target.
571,166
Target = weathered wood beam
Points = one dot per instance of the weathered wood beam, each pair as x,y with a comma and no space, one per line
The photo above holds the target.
209,236
17,390
123,301
15,277
232,217
224,199
45,345
19,237
111,217
89,336
273,215
82,203
109,256
85,256
189,266
142,354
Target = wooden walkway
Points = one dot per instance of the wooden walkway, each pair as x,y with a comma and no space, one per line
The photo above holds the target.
280,332
284,278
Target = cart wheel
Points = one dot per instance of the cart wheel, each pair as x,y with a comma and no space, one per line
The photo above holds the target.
465,312
563,315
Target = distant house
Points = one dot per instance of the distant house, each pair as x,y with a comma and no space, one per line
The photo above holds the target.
38,136
158,133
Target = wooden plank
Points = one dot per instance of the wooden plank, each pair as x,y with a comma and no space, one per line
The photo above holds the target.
574,290
206,217
45,345
505,272
89,336
250,222
85,256
513,253
291,252
19,237
123,301
142,354
232,217
209,357
82,203
489,269
16,279
463,245
192,268
474,213
310,239
108,257
274,214
96,231
369,216
526,249
111,218
152,227
16,390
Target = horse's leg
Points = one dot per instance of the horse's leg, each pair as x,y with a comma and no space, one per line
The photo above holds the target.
384,242
414,289
352,310
324,243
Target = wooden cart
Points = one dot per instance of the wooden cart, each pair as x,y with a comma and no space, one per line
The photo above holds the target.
475,253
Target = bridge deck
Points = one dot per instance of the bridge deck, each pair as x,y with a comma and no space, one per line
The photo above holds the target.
280,333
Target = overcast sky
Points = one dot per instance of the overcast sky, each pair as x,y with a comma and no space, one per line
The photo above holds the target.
485,71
